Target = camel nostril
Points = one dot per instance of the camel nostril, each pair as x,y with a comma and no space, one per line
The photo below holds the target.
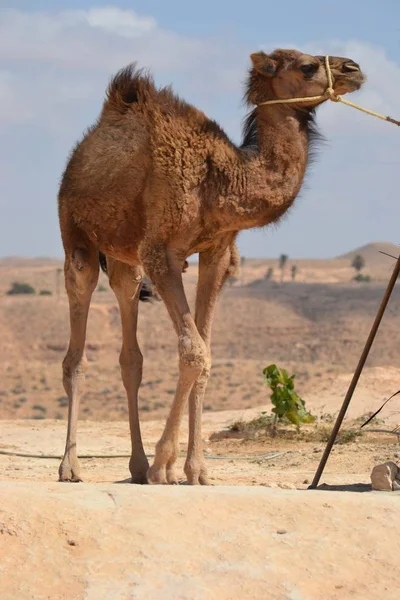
350,67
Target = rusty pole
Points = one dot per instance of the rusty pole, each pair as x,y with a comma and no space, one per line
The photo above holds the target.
357,373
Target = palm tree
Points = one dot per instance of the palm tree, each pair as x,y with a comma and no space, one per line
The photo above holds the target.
282,263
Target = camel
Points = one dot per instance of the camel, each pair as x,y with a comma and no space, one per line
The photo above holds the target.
155,181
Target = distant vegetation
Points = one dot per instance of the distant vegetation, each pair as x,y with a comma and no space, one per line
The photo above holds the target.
282,264
362,278
269,274
101,288
20,288
358,263
45,293
294,272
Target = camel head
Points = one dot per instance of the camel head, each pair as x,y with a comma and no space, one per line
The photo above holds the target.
291,74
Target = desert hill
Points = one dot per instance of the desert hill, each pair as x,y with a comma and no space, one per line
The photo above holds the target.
315,325
373,253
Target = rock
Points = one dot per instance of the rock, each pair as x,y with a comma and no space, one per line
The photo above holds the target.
286,486
383,476
396,485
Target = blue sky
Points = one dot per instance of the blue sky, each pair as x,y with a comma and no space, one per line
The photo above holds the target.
56,59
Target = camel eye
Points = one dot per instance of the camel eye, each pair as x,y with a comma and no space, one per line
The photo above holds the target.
309,69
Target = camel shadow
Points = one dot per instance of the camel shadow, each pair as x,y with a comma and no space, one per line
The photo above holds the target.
348,487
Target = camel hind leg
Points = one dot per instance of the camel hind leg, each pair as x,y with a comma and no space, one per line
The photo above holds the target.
81,270
126,282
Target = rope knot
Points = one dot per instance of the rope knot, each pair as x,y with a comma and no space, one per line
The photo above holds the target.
330,93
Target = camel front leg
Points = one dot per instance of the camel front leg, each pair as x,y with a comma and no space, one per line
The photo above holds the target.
164,268
213,270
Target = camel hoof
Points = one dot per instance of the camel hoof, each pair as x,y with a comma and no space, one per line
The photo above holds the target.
69,470
139,478
172,479
198,479
196,473
138,468
157,476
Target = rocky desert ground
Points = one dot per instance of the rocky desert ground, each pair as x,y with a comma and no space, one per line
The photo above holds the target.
258,532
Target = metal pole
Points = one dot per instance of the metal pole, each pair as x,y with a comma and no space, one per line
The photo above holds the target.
356,375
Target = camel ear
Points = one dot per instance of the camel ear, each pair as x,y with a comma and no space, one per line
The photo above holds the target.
263,63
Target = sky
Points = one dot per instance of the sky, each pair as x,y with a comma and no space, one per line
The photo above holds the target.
56,59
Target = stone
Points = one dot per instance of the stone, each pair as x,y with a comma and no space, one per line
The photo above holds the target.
383,476
396,485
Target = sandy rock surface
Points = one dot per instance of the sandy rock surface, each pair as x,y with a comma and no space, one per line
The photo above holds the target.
104,542
249,536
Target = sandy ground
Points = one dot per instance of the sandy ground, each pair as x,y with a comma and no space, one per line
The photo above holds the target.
256,533
240,539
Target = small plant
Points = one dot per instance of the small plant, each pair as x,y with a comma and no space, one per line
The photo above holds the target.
45,293
287,403
294,272
20,288
101,288
362,278
252,429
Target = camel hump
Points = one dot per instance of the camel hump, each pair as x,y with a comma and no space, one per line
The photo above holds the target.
127,87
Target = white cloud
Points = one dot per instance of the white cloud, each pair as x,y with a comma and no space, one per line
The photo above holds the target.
125,23
100,38
64,55
60,58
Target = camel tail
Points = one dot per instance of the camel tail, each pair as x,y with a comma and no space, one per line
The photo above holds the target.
126,87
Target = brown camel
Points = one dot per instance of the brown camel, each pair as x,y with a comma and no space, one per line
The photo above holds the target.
155,181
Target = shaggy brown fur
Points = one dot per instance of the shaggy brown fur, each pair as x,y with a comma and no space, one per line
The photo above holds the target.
155,181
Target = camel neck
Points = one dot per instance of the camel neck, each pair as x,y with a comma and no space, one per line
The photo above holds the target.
275,152
277,170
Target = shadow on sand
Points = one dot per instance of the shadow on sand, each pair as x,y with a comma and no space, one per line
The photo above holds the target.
349,487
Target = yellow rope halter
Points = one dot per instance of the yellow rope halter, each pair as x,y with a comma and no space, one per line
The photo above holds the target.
329,94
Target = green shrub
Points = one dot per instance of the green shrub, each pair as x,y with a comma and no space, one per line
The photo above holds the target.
362,278
20,288
45,293
287,403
